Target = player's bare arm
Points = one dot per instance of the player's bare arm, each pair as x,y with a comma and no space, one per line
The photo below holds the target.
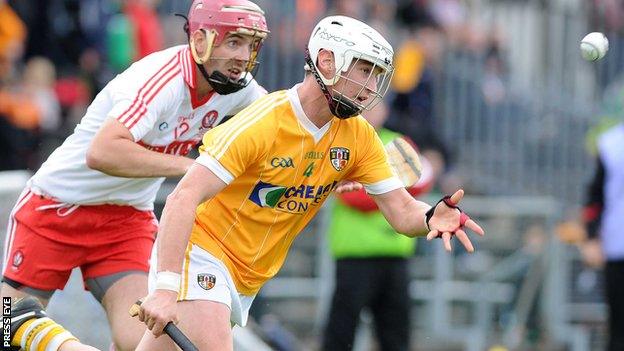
198,185
114,152
407,216
404,214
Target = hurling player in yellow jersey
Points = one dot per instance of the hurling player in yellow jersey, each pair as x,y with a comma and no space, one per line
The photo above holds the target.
261,177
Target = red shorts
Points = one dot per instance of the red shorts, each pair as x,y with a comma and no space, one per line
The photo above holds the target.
46,240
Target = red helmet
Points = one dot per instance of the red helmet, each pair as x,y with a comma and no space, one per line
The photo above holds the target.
218,18
224,16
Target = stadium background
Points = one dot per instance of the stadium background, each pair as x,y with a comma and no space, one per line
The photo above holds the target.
495,89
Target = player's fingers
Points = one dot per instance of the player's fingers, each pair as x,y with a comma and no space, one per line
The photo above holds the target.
150,323
157,330
339,189
446,238
463,238
348,186
463,218
457,196
472,225
345,188
432,235
136,310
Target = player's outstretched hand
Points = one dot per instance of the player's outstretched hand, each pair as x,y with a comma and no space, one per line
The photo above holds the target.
445,220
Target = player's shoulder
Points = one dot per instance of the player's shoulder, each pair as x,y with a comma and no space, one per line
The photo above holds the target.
157,72
268,105
616,130
244,97
261,114
276,95
156,60
613,135
165,63
252,89
173,52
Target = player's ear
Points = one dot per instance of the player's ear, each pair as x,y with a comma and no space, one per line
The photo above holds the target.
326,64
201,45
198,38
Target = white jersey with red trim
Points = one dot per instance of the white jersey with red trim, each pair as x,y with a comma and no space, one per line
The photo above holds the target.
155,99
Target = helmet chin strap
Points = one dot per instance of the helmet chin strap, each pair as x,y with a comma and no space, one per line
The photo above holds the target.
221,83
342,109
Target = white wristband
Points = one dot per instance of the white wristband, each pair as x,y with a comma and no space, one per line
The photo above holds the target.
166,280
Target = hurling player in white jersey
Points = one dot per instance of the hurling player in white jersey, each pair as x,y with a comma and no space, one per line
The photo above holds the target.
90,204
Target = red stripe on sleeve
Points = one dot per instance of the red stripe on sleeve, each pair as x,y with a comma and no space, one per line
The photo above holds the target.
123,118
164,83
143,101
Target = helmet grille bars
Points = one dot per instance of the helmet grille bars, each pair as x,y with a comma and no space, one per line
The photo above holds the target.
341,105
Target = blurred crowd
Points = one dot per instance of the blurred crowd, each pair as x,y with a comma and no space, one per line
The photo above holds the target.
56,55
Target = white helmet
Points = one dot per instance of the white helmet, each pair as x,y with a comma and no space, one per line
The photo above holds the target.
349,40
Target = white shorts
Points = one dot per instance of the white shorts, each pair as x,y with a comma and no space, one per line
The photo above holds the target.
204,277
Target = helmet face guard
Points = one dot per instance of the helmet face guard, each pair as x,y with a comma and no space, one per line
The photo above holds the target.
352,42
222,83
343,106
217,19
381,75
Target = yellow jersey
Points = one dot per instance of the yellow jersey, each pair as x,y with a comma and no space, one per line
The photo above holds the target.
279,169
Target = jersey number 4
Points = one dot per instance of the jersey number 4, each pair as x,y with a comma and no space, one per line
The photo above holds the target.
308,171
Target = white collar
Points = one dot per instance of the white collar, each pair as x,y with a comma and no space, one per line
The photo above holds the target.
317,133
